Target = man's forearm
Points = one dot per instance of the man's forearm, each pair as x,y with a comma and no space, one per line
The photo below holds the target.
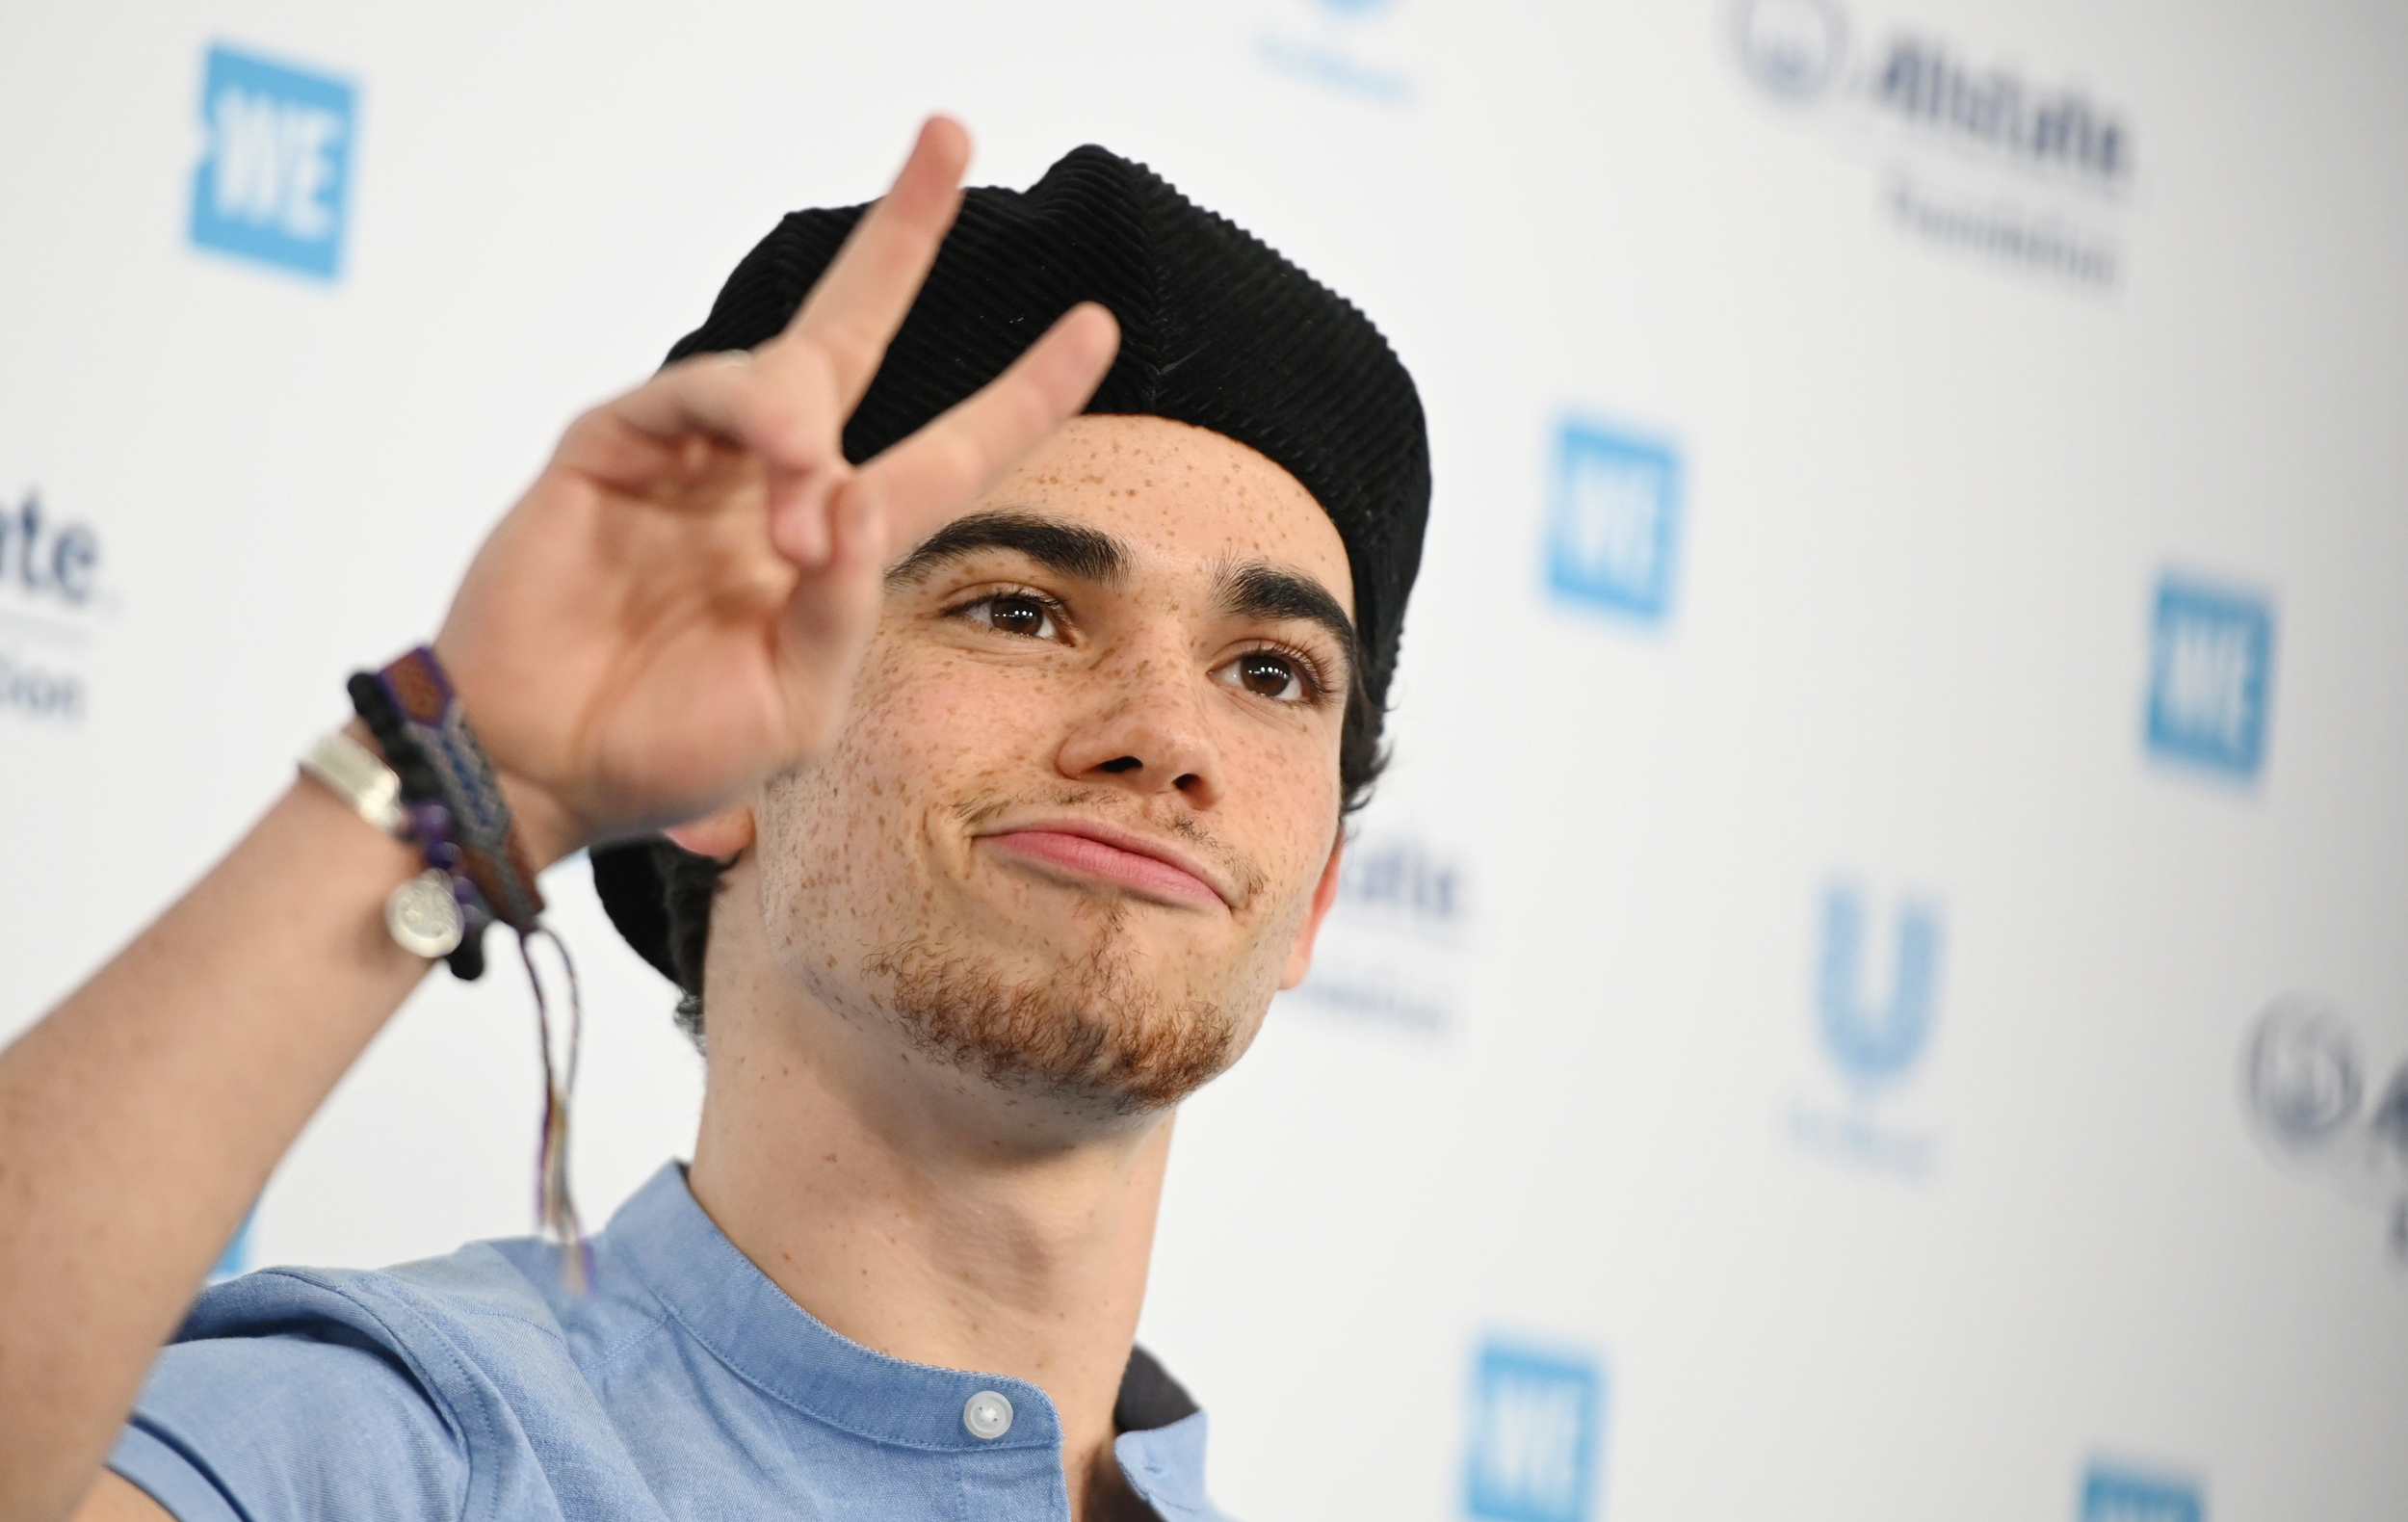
141,1117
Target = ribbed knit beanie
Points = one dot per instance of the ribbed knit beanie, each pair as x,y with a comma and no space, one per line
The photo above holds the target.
1216,329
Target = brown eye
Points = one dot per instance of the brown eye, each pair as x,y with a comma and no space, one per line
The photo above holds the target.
1015,612
1266,673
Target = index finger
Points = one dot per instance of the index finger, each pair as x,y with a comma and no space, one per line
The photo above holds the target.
861,299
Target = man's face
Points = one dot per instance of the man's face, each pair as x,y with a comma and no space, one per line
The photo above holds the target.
1081,819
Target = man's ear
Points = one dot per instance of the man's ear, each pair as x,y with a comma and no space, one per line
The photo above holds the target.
1324,894
719,835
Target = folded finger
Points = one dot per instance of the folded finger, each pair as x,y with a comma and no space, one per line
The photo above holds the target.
861,300
932,476
726,397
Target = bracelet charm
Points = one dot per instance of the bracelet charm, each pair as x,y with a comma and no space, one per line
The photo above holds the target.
424,917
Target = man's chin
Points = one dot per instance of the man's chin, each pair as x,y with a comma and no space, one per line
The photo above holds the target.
1089,1030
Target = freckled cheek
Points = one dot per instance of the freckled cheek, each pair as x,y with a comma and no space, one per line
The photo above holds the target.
1282,803
927,729
944,716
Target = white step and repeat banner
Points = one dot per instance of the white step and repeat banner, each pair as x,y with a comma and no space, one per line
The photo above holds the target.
1878,988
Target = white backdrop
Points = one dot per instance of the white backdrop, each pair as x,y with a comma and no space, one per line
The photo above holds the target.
1871,989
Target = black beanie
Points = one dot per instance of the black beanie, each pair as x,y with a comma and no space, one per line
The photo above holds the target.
1216,331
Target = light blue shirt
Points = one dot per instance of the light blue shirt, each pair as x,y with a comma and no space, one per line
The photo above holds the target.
683,1385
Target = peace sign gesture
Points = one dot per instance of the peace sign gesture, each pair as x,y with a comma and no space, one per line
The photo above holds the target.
676,607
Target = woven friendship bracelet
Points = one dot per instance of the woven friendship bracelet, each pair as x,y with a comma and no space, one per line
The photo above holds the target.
463,822
416,715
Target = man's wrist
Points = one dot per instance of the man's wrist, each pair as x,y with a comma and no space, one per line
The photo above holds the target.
547,833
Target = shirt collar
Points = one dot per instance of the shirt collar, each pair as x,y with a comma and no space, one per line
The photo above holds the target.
723,1300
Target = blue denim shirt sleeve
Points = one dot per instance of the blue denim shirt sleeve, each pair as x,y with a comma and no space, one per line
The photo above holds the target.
273,1409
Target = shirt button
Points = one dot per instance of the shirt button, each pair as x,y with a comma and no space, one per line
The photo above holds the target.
987,1415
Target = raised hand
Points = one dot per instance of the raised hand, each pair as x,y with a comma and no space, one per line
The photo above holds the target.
676,607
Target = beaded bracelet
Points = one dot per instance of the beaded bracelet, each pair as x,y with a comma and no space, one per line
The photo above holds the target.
477,873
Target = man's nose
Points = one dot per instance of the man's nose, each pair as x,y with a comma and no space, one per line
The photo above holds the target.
1150,732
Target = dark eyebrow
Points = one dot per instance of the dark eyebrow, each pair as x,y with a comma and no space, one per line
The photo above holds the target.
1059,545
1260,590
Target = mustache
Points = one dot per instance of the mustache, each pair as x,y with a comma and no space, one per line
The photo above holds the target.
979,810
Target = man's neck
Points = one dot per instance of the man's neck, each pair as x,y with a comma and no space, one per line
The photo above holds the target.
919,1214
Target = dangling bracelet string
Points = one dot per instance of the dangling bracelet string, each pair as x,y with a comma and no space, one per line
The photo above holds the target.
469,836
553,1205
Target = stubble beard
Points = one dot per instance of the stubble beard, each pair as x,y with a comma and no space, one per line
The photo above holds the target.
1093,1034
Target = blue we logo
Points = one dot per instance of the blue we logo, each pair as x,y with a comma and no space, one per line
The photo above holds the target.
2211,670
1615,521
275,181
1535,1418
2110,1495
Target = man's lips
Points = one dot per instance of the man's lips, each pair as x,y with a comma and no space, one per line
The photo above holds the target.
1115,857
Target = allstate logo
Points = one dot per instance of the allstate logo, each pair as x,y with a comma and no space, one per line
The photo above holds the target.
1405,878
2304,1084
1792,49
1979,155
2301,1075
1874,1039
47,564
1392,950
49,593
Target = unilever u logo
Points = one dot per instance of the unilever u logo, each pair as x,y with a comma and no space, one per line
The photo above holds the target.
1875,1033
276,180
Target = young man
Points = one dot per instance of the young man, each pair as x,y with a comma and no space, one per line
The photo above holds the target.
1005,758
